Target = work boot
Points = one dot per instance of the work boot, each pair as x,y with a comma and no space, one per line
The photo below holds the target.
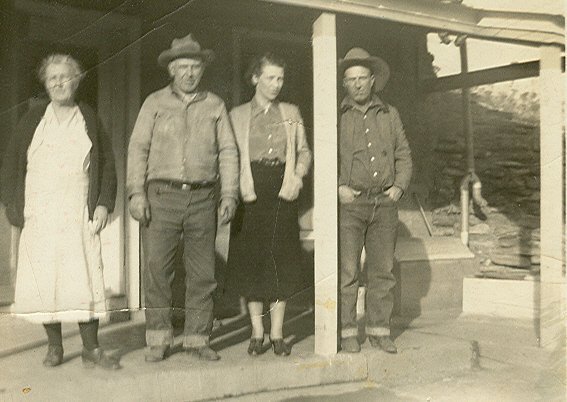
203,353
350,345
154,354
384,343
98,357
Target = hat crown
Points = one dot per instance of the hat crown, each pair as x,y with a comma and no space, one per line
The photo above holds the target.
186,42
357,53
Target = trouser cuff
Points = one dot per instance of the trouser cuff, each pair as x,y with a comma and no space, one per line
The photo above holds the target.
378,331
195,341
159,337
349,332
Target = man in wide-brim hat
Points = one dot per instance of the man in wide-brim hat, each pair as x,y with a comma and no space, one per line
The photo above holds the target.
375,170
181,149
360,57
185,47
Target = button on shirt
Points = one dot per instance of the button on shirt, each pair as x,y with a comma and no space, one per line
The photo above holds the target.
183,137
368,169
267,138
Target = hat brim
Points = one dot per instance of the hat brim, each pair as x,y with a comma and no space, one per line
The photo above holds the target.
379,68
167,56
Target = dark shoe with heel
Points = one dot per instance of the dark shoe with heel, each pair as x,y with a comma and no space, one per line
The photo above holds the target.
98,357
384,343
255,346
280,348
54,356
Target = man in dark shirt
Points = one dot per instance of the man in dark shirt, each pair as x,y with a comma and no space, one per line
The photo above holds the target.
181,148
375,170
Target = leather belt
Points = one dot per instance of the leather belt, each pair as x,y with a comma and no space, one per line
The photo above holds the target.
268,162
187,186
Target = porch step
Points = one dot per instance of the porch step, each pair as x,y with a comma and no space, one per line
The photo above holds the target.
429,273
501,297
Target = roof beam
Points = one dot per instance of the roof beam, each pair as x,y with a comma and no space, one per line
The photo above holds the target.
515,71
516,27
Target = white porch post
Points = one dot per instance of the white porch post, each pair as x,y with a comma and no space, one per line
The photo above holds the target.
132,230
325,197
552,314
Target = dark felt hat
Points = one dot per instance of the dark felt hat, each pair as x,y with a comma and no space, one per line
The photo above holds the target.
185,47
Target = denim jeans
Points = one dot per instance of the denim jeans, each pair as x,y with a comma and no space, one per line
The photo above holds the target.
370,222
176,212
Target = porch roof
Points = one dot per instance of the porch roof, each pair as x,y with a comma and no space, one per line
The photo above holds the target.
519,27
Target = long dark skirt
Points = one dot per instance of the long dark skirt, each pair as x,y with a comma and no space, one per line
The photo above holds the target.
264,259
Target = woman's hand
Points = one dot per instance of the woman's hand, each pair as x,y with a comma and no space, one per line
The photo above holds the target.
100,218
297,184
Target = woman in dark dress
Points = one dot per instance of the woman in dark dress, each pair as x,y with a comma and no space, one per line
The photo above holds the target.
264,257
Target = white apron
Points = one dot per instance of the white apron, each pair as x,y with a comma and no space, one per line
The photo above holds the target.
59,275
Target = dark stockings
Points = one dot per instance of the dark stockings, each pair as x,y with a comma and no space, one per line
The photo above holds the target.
88,330
54,337
89,334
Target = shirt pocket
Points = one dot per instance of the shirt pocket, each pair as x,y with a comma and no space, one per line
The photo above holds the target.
168,123
169,129
205,139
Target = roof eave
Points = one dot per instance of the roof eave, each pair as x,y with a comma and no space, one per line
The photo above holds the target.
517,27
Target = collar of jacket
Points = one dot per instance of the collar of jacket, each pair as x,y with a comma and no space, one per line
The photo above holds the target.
257,109
376,102
199,96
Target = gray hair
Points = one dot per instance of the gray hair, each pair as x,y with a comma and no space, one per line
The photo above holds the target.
59,58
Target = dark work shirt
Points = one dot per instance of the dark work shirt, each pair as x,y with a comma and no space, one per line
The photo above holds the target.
368,164
374,152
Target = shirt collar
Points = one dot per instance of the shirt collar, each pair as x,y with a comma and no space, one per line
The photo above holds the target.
188,98
376,102
257,109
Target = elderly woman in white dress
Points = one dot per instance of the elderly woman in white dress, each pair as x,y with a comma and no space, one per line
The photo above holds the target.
58,183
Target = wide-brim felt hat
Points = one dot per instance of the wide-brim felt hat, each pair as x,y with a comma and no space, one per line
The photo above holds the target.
185,47
360,57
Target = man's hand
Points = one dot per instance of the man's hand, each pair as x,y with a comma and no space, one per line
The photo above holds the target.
140,208
347,194
394,193
227,209
100,218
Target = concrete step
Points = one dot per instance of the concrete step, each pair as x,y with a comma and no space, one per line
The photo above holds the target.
431,348
504,298
429,273
180,376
